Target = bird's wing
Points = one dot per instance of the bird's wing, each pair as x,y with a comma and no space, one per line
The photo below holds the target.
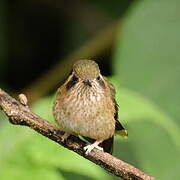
119,129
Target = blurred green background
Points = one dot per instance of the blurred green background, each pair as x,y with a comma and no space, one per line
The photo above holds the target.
137,45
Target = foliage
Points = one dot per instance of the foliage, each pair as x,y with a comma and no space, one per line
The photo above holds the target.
146,60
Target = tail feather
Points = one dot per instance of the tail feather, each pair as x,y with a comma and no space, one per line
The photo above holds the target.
107,145
123,133
119,130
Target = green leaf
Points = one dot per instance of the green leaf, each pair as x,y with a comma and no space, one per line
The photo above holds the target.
153,144
146,57
146,63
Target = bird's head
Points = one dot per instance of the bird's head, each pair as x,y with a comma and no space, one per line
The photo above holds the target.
86,73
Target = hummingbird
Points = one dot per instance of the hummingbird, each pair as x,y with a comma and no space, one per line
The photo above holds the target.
85,106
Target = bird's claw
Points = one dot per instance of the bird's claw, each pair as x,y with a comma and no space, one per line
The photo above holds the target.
90,147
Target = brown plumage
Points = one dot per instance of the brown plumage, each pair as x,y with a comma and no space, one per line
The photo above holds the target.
85,105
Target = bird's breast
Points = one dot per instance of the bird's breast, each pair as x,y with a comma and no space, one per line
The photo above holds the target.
87,113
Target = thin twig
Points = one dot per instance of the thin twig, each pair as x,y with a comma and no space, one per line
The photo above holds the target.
19,114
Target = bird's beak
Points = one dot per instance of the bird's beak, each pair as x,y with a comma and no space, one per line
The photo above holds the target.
87,82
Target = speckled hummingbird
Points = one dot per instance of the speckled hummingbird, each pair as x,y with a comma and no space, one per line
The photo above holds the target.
85,106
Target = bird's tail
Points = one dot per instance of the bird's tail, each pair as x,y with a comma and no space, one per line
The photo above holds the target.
120,130
123,133
107,145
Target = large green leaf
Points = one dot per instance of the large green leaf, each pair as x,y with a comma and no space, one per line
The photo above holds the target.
153,144
147,53
146,61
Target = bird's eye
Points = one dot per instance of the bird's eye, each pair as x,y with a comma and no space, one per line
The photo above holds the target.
72,82
98,78
100,81
74,78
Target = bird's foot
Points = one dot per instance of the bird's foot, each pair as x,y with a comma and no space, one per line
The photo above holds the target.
65,136
90,147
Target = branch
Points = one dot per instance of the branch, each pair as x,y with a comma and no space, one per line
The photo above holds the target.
19,114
